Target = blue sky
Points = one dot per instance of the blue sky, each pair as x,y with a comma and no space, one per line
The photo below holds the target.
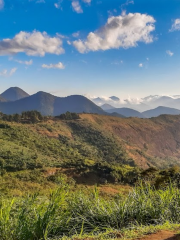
94,47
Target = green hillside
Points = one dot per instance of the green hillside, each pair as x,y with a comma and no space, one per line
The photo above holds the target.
90,149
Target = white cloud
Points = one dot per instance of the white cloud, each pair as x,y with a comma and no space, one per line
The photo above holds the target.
169,53
59,65
128,2
30,62
13,70
123,31
175,26
5,72
1,4
58,4
76,6
61,36
141,65
76,34
87,1
33,44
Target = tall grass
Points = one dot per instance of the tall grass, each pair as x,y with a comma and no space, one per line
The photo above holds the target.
65,213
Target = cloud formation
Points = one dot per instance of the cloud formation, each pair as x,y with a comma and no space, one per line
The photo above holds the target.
76,6
76,34
58,4
123,31
30,62
5,72
141,65
169,53
176,25
87,1
1,4
128,2
32,44
59,65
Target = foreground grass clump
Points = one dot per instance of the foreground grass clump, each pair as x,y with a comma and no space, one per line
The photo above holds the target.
66,213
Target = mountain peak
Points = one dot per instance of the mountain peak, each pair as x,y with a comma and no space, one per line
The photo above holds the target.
14,93
114,98
106,107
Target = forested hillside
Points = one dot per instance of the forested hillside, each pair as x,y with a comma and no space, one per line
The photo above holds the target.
29,140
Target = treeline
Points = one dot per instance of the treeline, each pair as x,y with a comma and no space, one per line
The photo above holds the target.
24,117
35,117
69,116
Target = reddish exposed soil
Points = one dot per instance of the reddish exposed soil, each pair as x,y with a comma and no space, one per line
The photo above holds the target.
162,235
146,141
143,138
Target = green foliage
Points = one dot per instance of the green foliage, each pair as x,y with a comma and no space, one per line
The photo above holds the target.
25,117
104,147
69,116
22,148
65,213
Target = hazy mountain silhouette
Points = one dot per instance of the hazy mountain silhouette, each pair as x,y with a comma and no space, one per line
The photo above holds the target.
161,110
106,107
14,93
140,105
127,112
114,98
48,104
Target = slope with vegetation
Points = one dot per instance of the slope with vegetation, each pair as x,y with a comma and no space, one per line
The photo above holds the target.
72,137
88,141
70,153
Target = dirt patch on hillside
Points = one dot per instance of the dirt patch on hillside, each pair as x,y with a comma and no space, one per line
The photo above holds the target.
162,235
147,141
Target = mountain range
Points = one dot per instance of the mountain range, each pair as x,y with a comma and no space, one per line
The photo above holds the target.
46,103
15,100
127,112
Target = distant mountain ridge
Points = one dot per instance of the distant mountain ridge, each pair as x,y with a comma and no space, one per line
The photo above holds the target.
161,111
127,112
140,104
15,100
106,107
48,104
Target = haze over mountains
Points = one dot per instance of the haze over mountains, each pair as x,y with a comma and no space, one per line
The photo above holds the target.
15,100
140,105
